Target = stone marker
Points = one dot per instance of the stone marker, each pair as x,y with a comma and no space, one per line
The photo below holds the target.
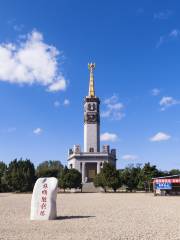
43,202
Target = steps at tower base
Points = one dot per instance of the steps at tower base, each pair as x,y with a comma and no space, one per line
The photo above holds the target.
90,188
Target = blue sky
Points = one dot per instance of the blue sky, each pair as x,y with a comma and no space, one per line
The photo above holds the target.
44,50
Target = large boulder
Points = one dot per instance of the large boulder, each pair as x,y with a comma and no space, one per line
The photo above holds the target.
43,202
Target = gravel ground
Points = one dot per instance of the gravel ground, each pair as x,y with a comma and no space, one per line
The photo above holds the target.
93,216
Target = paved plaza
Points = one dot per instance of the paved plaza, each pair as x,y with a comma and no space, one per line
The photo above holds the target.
93,216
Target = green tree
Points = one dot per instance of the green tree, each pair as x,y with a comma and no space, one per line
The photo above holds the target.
49,169
62,181
108,177
70,178
111,176
131,177
174,172
99,181
3,185
74,178
147,173
20,175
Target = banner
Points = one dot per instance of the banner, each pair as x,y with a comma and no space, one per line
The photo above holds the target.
166,180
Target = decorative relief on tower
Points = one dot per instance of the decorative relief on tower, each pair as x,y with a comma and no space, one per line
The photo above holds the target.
91,106
90,99
91,112
91,118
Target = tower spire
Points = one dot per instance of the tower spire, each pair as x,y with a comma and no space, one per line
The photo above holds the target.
91,67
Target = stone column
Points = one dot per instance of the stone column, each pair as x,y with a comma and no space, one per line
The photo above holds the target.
83,172
98,167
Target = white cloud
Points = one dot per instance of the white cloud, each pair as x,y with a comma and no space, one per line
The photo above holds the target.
31,61
58,85
174,34
111,100
166,102
160,137
163,15
155,91
37,131
11,129
18,28
160,42
66,102
57,104
129,157
113,108
109,137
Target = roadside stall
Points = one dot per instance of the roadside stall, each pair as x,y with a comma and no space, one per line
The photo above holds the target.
168,185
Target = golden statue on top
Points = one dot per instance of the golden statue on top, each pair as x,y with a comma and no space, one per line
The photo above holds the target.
91,67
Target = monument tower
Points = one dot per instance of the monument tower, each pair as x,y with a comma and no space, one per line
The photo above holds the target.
90,161
91,117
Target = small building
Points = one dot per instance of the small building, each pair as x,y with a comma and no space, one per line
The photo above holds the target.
90,161
167,185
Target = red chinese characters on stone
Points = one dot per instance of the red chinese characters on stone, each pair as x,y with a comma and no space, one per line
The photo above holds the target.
43,204
44,192
43,199
45,186
42,213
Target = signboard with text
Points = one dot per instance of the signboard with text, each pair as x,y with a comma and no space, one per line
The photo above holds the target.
163,186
